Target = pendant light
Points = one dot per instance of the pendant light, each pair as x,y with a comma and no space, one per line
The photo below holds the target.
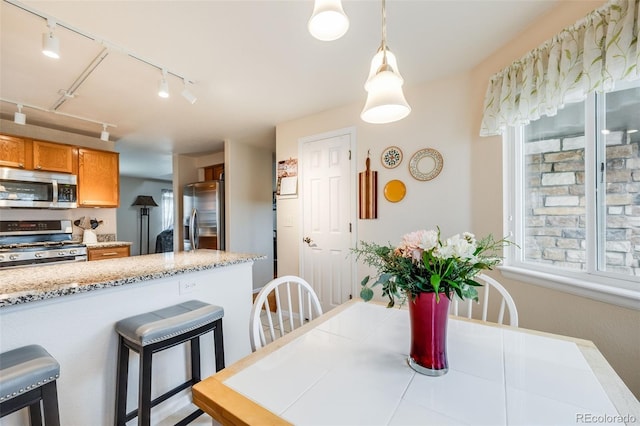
385,99
328,21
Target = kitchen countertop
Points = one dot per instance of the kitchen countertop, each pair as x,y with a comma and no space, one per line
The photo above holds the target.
24,285
106,244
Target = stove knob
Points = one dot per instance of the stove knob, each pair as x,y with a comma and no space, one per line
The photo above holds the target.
13,257
1,257
39,254
61,253
73,251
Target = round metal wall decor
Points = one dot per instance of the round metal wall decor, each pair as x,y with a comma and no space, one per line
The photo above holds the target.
425,164
391,157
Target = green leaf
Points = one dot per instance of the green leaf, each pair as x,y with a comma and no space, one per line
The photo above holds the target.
364,281
366,294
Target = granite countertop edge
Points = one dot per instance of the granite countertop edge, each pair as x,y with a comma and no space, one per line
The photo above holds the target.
33,295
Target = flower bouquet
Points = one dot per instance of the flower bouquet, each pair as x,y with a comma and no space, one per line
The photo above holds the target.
423,268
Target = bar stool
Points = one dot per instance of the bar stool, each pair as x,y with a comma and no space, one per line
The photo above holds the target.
155,331
27,376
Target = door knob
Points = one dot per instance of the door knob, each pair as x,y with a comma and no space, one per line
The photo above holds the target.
307,240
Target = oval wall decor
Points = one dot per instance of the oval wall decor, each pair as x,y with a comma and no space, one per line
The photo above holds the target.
394,190
425,164
391,157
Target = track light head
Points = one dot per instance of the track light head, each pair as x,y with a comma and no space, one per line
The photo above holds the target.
19,117
163,86
50,43
104,135
186,93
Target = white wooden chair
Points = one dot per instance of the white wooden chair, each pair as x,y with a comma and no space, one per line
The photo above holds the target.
295,303
483,295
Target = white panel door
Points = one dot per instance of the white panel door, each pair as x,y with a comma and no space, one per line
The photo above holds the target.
327,215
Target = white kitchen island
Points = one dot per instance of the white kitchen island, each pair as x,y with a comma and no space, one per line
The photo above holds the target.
70,309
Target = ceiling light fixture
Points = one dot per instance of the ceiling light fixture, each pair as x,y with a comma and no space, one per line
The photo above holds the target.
19,117
186,93
104,135
328,21
163,86
385,100
50,43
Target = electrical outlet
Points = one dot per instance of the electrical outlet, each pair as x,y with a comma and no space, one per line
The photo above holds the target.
185,287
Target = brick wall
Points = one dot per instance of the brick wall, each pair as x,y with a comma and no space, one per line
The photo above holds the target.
555,203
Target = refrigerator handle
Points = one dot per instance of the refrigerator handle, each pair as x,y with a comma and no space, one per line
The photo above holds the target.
193,223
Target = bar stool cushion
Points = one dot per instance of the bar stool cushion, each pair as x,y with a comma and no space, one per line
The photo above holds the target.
155,326
24,369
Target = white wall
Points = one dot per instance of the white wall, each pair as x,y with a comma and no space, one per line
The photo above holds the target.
439,120
467,195
128,216
249,208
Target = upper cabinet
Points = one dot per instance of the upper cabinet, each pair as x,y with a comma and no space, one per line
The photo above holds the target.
26,154
98,178
53,157
215,172
15,152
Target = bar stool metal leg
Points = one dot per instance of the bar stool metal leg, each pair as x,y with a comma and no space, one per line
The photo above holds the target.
121,383
144,392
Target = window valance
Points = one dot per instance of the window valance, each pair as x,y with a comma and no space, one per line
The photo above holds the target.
590,56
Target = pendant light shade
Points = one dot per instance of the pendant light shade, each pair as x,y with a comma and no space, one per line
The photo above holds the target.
385,99
328,21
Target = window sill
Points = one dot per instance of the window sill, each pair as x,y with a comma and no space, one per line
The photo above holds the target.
626,298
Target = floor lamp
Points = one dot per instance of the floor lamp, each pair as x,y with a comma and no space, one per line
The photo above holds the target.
144,201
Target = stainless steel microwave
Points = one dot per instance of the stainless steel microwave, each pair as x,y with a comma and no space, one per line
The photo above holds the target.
36,189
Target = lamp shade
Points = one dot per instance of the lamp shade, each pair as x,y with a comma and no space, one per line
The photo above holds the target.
328,21
144,201
376,63
385,100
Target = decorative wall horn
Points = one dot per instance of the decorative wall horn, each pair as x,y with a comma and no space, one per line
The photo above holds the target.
368,193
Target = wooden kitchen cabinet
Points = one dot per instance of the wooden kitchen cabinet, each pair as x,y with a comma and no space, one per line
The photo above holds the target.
100,253
215,172
15,152
98,178
53,157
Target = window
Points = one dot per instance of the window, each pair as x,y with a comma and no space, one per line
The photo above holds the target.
573,197
166,204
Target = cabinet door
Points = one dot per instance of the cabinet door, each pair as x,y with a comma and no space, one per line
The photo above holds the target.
15,152
215,172
98,178
53,157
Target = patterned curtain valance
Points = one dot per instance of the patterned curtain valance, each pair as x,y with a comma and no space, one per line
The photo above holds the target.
590,56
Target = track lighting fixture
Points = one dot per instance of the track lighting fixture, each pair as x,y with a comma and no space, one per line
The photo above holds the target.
50,43
19,117
186,93
163,86
385,99
328,21
104,135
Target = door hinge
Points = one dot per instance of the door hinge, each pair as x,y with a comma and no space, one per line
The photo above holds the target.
350,296
350,227
349,154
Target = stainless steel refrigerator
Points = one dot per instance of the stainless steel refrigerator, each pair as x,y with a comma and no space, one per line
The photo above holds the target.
203,215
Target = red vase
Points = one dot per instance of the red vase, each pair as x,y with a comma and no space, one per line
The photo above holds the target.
429,334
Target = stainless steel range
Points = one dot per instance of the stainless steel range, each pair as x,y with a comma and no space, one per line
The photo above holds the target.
38,242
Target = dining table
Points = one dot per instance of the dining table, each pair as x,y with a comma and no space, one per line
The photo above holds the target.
349,367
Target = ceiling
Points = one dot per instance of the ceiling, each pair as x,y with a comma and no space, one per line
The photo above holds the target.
253,63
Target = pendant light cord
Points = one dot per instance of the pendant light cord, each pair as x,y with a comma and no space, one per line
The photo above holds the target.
384,34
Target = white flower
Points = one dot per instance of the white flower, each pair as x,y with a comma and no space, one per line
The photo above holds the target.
459,247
